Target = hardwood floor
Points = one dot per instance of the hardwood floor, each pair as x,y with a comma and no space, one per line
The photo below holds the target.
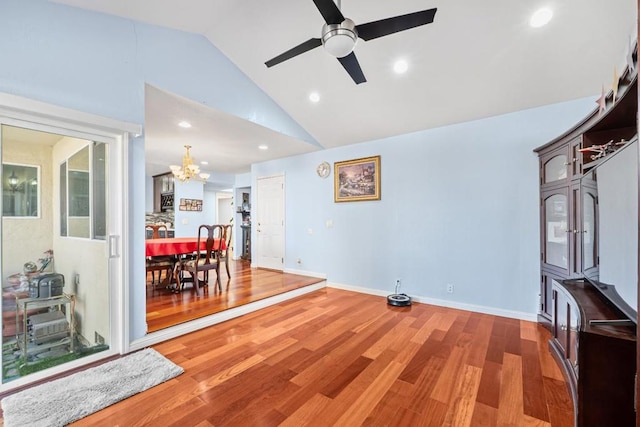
246,285
334,357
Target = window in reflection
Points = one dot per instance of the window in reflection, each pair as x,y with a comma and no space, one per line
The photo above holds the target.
20,195
83,207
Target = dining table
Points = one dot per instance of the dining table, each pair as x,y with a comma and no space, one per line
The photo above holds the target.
167,246
175,247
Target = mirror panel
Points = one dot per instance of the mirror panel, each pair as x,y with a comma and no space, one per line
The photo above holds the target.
610,198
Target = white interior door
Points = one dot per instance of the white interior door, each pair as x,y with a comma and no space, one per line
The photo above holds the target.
270,223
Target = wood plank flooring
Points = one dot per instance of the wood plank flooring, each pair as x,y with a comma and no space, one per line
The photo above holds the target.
334,357
246,285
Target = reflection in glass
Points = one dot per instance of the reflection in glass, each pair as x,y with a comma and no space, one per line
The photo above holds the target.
67,300
99,171
20,189
556,168
556,227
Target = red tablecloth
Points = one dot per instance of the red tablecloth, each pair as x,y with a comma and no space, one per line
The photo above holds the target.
175,246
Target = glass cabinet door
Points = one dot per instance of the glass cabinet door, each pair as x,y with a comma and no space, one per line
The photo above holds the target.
554,167
556,229
589,212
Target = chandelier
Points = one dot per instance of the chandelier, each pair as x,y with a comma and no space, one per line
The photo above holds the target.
13,181
188,170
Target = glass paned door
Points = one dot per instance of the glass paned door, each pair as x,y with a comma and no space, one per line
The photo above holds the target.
556,231
55,266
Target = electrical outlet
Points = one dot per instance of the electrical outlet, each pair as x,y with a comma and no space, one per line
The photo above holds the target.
450,288
299,261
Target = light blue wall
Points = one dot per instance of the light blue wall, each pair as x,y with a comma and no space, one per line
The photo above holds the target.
187,221
459,205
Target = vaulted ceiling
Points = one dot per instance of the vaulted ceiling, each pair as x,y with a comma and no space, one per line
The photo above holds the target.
477,59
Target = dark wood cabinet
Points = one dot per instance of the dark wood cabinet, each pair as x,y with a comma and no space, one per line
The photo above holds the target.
597,357
593,341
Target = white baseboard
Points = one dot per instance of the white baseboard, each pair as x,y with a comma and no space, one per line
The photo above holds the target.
532,317
194,325
305,273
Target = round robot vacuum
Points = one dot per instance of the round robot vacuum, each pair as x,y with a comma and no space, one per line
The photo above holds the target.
399,300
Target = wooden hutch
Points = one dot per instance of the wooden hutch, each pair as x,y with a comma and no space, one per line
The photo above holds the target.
593,341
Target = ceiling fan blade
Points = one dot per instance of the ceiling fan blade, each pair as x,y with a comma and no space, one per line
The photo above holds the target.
301,48
384,27
350,63
329,11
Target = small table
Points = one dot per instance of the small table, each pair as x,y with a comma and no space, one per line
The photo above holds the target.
56,337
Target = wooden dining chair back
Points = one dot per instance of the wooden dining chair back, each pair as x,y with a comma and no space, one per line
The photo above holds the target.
224,252
156,231
206,259
159,263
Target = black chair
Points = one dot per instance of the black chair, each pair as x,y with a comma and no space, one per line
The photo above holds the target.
210,238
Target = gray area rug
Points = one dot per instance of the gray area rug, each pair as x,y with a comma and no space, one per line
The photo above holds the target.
68,399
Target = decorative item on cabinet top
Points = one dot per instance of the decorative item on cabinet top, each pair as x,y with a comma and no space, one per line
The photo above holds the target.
600,151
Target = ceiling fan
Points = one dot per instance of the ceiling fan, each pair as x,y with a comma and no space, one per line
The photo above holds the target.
339,35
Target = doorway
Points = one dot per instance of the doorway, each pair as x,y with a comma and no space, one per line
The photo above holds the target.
56,265
270,224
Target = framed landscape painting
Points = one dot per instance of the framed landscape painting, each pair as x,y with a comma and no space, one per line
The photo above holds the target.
357,180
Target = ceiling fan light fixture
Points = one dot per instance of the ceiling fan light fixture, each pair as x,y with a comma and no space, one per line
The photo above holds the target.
339,39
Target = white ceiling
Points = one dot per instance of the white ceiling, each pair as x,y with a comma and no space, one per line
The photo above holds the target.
229,144
478,59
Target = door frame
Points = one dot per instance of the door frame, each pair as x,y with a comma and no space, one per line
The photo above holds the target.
23,112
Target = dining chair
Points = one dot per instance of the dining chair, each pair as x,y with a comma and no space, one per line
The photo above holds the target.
210,238
156,231
158,263
224,252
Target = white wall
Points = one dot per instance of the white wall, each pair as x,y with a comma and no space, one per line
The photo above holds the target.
459,206
226,213
88,259
618,222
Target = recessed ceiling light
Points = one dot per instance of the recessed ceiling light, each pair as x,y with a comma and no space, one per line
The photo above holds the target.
204,162
541,17
314,97
263,147
184,124
401,66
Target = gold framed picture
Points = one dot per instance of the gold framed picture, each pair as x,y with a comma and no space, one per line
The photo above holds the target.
357,180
